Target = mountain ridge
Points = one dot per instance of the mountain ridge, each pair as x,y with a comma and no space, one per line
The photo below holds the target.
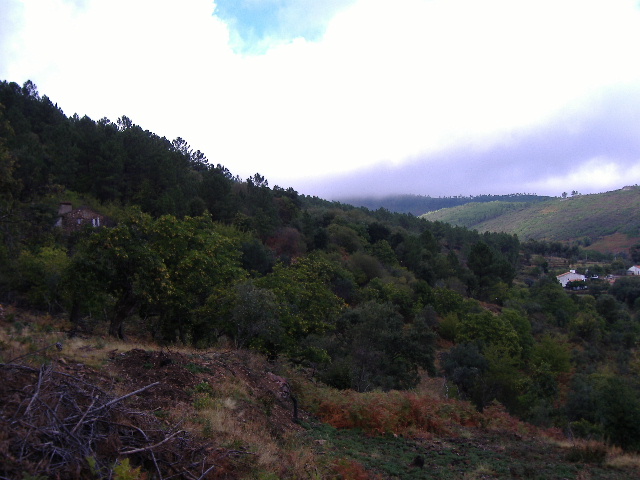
420,204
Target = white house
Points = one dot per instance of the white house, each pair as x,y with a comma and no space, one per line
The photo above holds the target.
635,270
570,276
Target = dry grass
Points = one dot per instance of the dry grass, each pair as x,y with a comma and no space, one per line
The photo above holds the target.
223,419
624,461
95,352
401,413
431,387
591,450
480,472
618,458
28,344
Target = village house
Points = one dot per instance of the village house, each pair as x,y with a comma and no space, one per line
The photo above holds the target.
634,270
570,276
71,220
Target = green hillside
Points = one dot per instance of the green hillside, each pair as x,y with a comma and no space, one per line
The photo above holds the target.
581,217
247,331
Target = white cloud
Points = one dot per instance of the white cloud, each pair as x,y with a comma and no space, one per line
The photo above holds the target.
595,175
387,82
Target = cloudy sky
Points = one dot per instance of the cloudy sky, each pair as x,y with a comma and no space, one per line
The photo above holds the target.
338,98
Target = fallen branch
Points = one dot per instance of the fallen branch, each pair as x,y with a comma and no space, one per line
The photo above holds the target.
83,416
204,474
35,395
124,397
151,447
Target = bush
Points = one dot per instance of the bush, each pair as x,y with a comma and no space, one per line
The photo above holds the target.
487,329
373,347
626,289
42,277
553,352
448,326
608,403
466,367
396,413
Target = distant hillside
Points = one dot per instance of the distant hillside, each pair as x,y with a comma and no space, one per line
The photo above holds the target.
590,218
419,204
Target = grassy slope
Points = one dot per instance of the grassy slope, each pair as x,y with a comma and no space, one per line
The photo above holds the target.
594,216
226,405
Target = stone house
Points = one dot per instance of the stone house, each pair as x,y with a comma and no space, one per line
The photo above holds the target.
71,220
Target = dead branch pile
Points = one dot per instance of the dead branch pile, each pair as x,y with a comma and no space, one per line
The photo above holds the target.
60,426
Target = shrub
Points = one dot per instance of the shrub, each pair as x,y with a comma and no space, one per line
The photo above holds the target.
553,352
496,417
375,348
396,413
448,326
465,366
42,276
124,471
609,403
486,329
203,387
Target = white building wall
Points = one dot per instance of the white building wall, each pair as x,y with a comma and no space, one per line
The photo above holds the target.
571,276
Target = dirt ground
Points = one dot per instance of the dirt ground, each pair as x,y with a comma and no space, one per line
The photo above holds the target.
181,375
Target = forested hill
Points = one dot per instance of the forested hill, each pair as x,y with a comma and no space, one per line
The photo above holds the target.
159,241
420,204
590,219
164,196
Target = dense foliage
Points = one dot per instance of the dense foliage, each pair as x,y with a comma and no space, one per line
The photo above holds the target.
368,299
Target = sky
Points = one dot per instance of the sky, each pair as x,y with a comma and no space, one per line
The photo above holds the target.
345,98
